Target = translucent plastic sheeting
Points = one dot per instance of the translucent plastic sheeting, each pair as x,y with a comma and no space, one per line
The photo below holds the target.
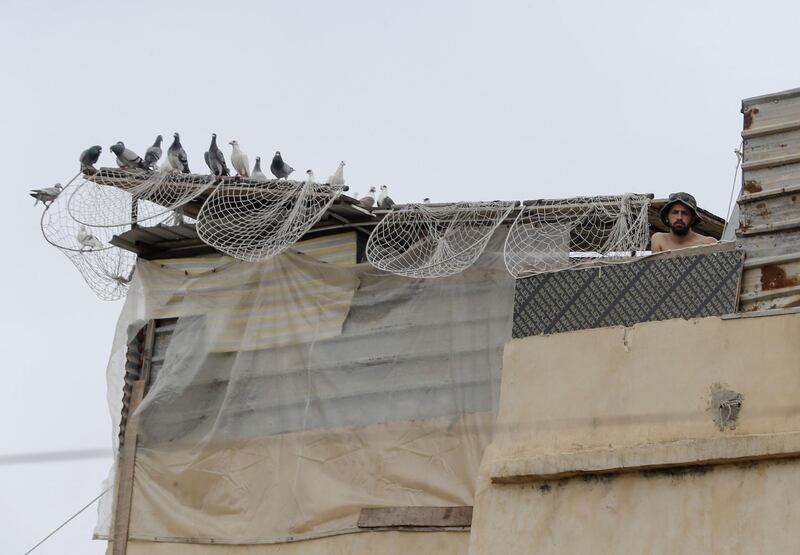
293,393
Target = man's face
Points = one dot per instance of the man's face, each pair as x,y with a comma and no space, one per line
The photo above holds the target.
679,218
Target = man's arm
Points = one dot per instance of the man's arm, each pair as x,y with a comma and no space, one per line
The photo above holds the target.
657,242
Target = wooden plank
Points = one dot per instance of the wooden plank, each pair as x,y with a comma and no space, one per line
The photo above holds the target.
147,353
126,461
416,517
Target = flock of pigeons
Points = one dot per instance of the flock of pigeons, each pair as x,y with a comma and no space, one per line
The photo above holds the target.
177,160
215,160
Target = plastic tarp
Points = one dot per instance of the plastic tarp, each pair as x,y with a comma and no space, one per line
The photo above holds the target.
295,392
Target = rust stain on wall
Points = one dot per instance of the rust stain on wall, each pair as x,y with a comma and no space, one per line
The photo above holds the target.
752,186
774,277
748,117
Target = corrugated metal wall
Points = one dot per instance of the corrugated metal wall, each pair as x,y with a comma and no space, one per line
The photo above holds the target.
769,221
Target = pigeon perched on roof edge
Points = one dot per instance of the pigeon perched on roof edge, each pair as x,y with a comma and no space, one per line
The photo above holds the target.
337,179
153,153
89,158
177,155
384,200
126,158
279,168
239,160
368,200
257,173
216,159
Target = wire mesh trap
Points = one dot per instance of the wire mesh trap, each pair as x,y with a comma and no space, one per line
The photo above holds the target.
105,268
554,235
113,198
254,221
425,241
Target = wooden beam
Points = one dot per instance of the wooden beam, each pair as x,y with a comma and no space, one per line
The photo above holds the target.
125,468
415,517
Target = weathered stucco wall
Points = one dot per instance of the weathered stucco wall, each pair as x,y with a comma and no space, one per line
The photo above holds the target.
608,406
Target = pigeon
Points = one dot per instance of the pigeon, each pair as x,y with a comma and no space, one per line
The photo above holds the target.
47,195
310,178
88,240
215,159
279,168
368,200
126,158
426,200
337,179
384,200
257,173
89,158
153,154
239,160
177,156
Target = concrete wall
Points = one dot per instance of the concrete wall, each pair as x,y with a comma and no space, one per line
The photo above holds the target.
674,436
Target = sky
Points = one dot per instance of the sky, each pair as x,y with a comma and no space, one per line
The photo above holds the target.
450,100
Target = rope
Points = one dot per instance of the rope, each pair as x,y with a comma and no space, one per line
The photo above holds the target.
92,502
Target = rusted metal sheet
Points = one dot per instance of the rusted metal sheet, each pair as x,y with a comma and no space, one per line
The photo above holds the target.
771,113
769,220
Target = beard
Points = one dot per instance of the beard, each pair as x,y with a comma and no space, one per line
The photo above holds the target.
679,228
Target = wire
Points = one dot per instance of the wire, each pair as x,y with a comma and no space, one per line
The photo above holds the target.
54,456
738,152
92,502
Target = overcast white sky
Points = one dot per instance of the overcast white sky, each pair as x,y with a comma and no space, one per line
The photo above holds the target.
451,100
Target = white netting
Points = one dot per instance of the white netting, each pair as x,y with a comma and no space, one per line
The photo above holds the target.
253,220
553,235
106,268
112,198
425,241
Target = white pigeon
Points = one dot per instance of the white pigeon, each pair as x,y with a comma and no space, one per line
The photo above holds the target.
239,160
337,179
88,240
257,173
368,200
310,179
46,195
384,200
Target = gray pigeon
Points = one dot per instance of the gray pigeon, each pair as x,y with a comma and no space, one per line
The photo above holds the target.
384,200
215,159
257,173
426,200
279,168
47,195
368,200
89,158
153,154
177,156
126,158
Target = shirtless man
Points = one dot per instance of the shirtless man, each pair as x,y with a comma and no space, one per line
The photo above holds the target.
680,216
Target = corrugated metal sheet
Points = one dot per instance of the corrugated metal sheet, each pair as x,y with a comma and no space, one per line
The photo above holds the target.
769,221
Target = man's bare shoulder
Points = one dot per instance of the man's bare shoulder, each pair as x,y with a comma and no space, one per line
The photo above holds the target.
659,241
705,240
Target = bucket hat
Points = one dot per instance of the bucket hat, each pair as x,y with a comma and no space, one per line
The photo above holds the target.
683,198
